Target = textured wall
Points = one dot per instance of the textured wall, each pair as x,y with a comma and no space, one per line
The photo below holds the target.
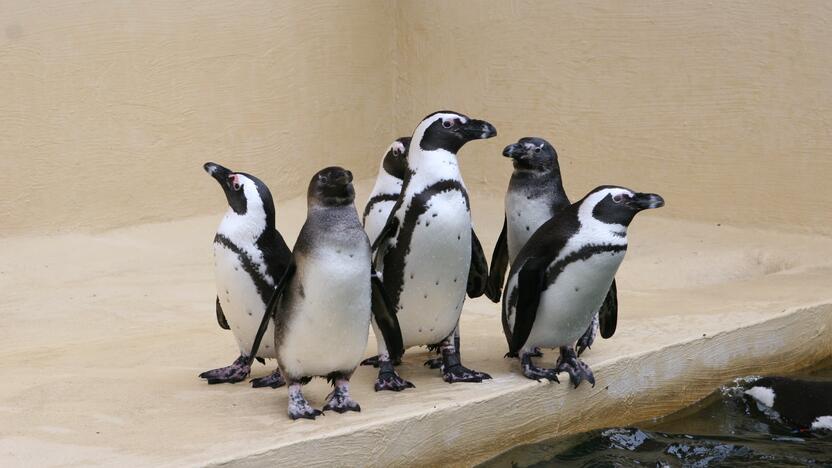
108,109
723,107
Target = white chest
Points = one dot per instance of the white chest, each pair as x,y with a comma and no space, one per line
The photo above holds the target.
523,216
327,328
240,300
436,270
567,306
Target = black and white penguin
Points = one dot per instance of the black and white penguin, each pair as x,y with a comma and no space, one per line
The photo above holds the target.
427,252
323,304
804,404
387,188
249,257
535,194
562,275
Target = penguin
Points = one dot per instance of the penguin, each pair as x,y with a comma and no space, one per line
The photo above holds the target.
387,188
804,404
323,304
562,276
250,255
427,253
535,194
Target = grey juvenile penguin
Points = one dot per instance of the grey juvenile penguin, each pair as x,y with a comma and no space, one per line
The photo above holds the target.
535,194
562,275
249,257
427,252
322,305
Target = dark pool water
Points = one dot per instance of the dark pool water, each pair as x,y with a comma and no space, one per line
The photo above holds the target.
722,430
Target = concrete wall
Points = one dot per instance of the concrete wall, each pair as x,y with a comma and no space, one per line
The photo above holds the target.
725,108
108,109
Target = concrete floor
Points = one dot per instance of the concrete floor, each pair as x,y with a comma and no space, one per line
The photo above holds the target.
103,336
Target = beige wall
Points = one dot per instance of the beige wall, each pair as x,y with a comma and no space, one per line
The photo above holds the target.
723,107
108,109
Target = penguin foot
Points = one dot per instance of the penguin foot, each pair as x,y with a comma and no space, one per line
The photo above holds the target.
303,411
389,379
236,372
586,340
453,371
273,380
578,371
340,402
434,363
536,352
298,406
536,373
370,361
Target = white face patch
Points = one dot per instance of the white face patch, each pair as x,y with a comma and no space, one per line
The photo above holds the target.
397,148
823,422
764,395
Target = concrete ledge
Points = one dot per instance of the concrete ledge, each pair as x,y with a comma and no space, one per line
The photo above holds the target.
103,336
634,388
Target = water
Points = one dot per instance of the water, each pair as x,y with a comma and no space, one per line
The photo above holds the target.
722,430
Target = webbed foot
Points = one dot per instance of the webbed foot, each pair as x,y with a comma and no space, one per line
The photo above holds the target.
339,400
389,379
453,371
536,373
273,380
578,371
236,372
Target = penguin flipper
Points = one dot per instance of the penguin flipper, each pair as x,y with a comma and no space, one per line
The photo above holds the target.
270,309
386,320
221,317
478,271
608,313
389,230
530,283
499,263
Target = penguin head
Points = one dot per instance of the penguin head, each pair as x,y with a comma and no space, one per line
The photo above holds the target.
450,130
245,193
532,154
617,205
331,186
395,161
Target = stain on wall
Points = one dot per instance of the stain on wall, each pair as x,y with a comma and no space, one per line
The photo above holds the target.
108,109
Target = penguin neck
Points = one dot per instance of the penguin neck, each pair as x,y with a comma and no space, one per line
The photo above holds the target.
434,165
540,183
244,229
386,183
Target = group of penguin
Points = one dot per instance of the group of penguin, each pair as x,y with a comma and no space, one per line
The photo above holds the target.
408,263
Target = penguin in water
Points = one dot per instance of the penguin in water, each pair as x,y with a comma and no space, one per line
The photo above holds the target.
322,305
249,257
387,188
535,195
562,275
427,252
805,404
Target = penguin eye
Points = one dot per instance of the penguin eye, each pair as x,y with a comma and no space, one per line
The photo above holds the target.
448,123
537,150
324,179
235,182
617,198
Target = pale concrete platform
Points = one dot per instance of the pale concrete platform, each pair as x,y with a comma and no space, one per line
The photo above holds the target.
103,336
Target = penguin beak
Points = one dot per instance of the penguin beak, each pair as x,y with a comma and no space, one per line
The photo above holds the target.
646,201
217,172
344,179
477,130
514,150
